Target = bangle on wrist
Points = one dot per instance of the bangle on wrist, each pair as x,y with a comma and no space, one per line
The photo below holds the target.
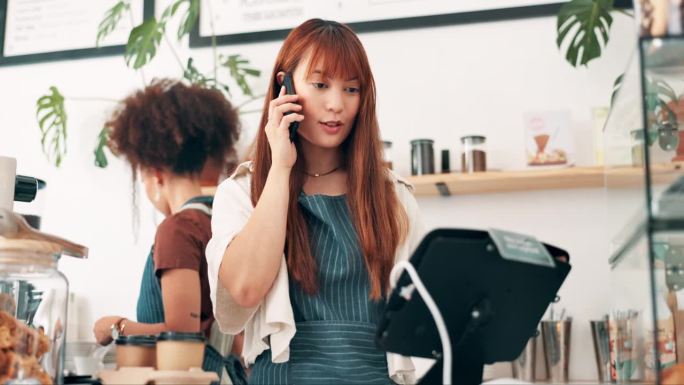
118,328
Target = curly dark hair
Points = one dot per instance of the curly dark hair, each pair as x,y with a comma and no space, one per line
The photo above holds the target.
175,127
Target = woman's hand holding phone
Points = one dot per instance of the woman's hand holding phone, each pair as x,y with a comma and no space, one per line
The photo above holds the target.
283,151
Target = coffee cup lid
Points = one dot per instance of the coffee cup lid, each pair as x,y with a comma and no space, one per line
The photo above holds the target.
139,340
179,336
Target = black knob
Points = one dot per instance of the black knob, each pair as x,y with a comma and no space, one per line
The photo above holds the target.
25,188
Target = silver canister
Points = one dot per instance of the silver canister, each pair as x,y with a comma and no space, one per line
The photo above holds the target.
422,157
556,336
524,367
601,337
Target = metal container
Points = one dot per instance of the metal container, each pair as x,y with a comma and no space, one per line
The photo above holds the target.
422,157
524,367
601,337
556,336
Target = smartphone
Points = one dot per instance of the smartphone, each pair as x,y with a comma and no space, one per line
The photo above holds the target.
289,90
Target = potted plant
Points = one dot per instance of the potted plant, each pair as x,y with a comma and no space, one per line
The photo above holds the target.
583,31
143,43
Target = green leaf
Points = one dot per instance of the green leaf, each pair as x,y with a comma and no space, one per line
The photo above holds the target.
665,96
188,19
659,94
583,27
100,156
52,119
239,71
652,137
143,42
664,90
111,19
616,87
192,74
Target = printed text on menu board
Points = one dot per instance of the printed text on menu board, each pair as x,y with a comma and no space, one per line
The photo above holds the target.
41,26
243,16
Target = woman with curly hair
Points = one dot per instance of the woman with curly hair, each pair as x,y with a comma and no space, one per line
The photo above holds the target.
168,133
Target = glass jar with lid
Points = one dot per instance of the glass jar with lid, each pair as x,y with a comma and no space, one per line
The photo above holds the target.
474,154
33,303
422,157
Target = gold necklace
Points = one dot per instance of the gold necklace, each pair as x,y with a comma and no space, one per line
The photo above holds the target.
316,174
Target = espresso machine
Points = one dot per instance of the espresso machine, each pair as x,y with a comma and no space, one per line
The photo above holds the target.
15,187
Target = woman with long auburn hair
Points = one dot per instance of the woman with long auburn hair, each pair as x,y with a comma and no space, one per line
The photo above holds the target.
305,235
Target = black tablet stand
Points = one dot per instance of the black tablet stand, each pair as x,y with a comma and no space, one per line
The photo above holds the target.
491,302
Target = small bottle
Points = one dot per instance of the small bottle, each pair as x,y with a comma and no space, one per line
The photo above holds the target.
446,166
474,155
387,154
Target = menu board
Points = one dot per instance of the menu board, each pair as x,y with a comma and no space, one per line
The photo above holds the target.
248,20
35,30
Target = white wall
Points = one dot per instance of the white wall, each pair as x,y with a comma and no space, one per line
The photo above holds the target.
439,83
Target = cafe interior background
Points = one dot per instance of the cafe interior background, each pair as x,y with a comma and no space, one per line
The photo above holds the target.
437,82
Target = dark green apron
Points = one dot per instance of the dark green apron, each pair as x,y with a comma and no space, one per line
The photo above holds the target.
150,309
334,342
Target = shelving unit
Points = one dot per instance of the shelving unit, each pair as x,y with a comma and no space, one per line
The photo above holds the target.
530,180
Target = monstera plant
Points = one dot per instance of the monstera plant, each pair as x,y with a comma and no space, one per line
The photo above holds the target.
583,28
143,44
583,31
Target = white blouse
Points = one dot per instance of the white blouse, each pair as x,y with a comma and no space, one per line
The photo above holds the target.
271,323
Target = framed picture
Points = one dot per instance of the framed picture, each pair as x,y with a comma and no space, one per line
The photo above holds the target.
247,21
35,31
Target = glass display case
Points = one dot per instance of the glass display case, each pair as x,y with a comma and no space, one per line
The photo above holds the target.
644,156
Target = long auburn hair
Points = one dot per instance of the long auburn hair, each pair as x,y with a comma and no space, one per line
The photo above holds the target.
379,219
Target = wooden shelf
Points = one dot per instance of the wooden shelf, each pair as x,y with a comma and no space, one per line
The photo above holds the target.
542,179
533,180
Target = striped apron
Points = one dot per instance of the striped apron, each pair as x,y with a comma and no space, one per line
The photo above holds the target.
334,342
150,307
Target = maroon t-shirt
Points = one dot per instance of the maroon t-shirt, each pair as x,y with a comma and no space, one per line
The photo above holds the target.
179,244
